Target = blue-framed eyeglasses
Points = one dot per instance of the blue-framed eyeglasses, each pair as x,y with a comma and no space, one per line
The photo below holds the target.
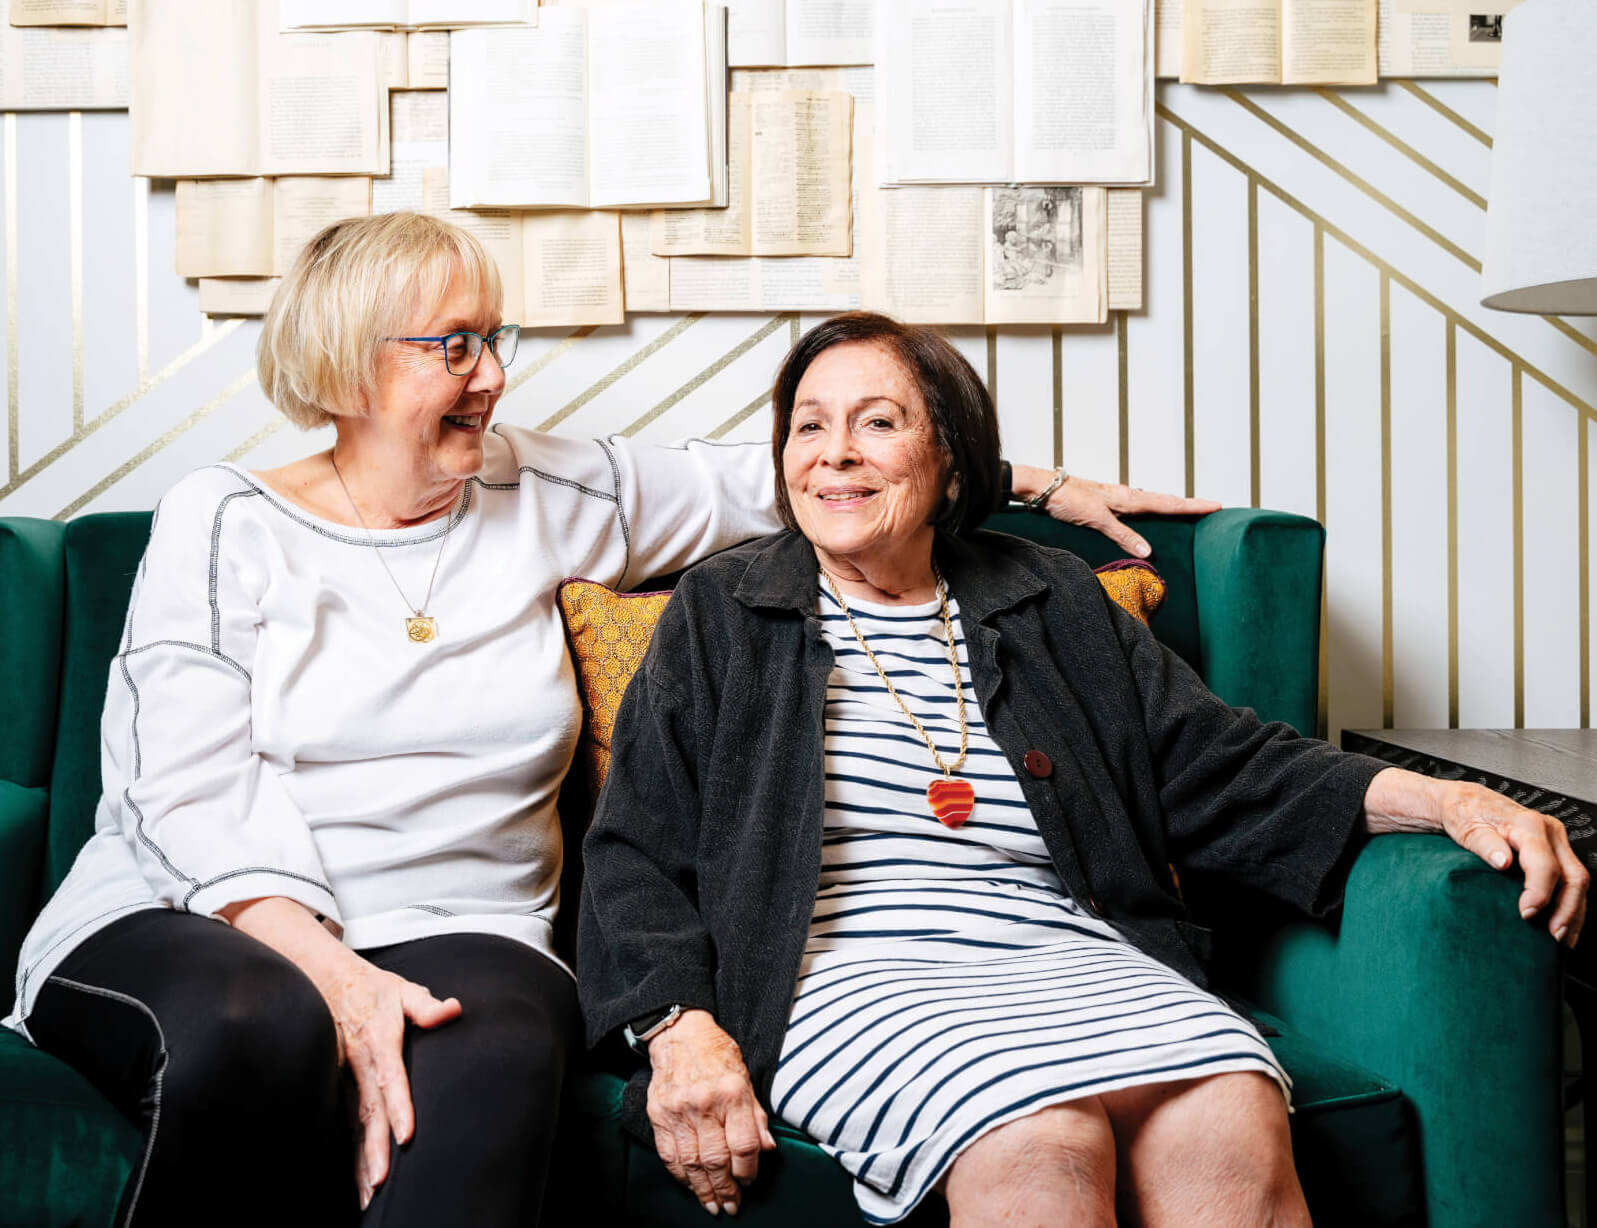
463,350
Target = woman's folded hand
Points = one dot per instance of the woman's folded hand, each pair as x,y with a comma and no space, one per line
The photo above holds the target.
709,1127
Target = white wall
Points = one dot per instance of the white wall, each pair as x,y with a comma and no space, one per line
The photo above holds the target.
1334,361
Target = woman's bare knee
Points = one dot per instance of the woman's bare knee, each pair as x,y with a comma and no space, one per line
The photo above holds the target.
1212,1151
1054,1166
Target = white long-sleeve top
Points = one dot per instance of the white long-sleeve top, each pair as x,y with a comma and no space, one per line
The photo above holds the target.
270,730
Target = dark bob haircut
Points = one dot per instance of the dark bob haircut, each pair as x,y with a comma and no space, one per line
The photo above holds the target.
961,410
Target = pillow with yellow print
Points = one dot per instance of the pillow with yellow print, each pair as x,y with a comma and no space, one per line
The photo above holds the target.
609,632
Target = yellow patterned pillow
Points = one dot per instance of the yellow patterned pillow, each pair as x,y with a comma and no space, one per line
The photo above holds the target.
1135,587
609,632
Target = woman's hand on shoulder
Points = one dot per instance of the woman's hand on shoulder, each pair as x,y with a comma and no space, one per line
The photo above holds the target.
1498,831
709,1127
1099,505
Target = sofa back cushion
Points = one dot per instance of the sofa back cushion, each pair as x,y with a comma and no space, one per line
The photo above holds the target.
102,555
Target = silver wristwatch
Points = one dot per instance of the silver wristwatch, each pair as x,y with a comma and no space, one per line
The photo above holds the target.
641,1031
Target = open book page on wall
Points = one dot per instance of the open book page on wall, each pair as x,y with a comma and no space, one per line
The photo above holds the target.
405,14
1291,42
427,60
557,267
1440,38
69,12
776,33
605,104
419,122
258,102
236,296
788,170
256,227
61,69
782,283
1004,91
645,277
967,255
1123,248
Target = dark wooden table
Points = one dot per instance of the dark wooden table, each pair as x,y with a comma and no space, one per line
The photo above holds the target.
1550,770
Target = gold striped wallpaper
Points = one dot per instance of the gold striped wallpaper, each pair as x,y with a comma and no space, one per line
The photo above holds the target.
1312,341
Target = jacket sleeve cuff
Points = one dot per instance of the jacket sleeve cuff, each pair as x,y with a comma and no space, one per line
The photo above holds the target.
258,882
661,988
1344,792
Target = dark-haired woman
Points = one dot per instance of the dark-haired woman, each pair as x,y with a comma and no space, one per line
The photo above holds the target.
886,845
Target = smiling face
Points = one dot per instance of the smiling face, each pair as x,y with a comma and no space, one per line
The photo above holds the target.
418,417
862,465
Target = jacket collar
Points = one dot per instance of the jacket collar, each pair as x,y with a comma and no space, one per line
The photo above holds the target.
982,575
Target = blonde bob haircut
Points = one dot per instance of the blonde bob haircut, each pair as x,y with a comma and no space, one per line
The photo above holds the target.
355,283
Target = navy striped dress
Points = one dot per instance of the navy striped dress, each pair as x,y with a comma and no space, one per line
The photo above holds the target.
949,983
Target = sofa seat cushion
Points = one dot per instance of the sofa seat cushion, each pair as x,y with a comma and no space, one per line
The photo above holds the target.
65,1152
1360,1164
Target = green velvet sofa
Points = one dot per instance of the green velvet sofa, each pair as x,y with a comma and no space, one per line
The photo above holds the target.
1421,1029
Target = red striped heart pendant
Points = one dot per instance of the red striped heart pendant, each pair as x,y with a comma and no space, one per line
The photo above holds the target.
951,800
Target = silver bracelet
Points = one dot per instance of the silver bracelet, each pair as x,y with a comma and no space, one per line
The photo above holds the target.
1040,499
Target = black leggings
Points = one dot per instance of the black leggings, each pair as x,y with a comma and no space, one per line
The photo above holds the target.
224,1054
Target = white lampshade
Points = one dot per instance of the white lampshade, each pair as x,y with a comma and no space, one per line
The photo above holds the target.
1541,219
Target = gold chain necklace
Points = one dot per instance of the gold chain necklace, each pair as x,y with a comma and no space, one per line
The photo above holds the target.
421,628
950,800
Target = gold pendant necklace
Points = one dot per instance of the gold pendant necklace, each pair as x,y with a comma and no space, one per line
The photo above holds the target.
950,800
420,627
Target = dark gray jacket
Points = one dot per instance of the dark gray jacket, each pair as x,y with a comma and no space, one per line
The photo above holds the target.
703,860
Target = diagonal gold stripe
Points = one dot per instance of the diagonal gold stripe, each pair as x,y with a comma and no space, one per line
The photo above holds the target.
631,363
1579,338
1517,460
1358,181
742,416
1398,277
709,373
256,440
143,388
1255,461
1452,524
1402,146
1446,112
1387,666
1188,414
1573,333
13,400
75,256
234,386
1122,365
1059,396
992,363
548,356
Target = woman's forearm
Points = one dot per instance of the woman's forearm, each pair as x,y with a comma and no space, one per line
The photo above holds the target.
292,930
1400,800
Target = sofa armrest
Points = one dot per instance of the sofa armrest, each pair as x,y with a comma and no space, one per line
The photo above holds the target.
1433,980
24,815
1258,587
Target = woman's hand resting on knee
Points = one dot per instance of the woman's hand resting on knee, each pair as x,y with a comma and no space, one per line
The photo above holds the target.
370,1008
709,1127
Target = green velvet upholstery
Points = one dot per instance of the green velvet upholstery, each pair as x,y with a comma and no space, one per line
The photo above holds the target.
1387,1019
65,1153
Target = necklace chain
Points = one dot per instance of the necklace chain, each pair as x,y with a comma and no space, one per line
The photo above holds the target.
449,523
948,769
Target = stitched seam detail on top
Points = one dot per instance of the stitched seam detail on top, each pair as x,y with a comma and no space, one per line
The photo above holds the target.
201,648
347,539
621,512
160,1075
198,887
